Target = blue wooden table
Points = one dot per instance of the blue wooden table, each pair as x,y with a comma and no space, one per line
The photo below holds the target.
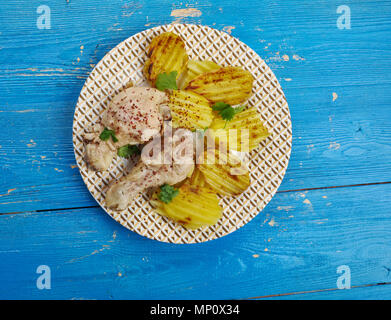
333,208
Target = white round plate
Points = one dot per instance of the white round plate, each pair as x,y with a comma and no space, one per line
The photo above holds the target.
268,162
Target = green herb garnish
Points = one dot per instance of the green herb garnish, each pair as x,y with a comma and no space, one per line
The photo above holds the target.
166,81
167,193
106,134
128,150
225,110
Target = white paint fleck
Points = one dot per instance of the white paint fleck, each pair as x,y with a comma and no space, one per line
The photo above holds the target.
297,57
189,12
8,192
334,145
285,208
228,29
321,221
20,111
32,144
272,223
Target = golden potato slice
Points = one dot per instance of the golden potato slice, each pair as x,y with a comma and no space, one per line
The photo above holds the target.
189,110
193,207
243,133
231,85
224,172
197,179
166,53
194,69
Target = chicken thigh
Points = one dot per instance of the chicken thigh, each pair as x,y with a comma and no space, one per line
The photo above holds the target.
164,160
135,115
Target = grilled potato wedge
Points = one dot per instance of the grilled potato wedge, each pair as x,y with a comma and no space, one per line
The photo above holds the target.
166,53
197,179
194,69
243,133
194,207
189,110
231,85
224,172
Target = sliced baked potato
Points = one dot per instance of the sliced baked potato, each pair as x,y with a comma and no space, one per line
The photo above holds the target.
194,69
197,178
224,172
166,53
193,207
189,110
243,133
231,85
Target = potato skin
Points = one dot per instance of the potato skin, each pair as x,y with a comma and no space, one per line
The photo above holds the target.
232,85
166,53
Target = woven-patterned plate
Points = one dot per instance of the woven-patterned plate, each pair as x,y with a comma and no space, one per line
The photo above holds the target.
268,162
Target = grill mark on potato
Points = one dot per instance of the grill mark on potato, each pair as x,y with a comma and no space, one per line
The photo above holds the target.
150,68
166,53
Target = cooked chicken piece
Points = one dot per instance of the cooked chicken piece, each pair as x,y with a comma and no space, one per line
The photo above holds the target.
170,164
135,115
98,153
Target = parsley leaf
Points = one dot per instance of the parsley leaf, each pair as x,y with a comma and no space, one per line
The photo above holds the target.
128,150
220,106
166,81
167,193
239,109
106,134
226,111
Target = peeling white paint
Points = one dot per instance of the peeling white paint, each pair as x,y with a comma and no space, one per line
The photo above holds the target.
190,12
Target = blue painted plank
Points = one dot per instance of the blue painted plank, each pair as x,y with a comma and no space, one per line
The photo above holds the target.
366,292
341,142
295,245
38,166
